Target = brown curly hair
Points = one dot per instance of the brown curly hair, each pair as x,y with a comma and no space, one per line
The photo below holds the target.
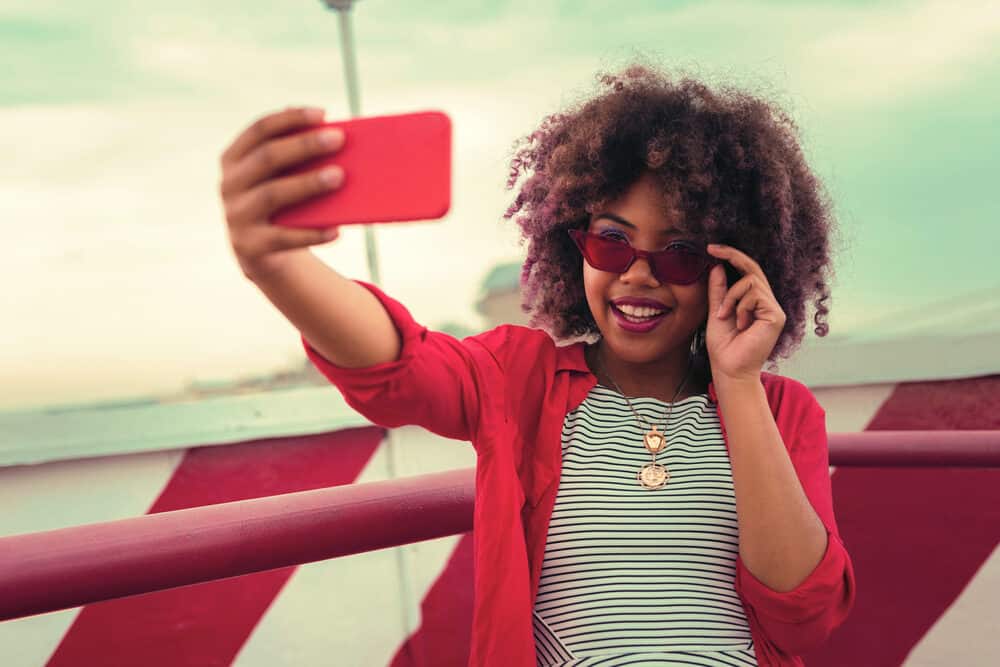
729,163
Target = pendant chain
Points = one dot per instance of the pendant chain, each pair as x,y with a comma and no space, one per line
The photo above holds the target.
652,475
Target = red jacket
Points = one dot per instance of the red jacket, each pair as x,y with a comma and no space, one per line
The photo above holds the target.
508,391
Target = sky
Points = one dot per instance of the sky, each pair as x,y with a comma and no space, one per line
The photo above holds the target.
118,276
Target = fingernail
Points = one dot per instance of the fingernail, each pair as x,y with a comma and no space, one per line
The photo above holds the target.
331,137
315,114
331,176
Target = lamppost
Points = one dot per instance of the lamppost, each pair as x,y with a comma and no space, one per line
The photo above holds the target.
343,9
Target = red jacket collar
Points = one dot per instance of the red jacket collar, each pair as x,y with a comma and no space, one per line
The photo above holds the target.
570,357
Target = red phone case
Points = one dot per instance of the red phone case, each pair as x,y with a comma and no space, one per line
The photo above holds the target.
396,168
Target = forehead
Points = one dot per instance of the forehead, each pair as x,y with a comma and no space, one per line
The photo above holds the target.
646,205
610,219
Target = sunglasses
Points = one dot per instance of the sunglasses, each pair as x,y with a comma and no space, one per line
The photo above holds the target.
680,263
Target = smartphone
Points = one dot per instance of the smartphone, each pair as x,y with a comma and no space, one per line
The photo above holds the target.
396,168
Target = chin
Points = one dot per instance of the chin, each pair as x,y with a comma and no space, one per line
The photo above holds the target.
638,351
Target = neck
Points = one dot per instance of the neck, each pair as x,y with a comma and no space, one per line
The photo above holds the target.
658,379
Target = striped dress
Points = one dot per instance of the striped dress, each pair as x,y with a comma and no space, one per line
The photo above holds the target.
633,576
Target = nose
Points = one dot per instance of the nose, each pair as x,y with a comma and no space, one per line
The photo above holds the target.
640,272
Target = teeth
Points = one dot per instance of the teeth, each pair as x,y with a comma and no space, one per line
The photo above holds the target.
636,311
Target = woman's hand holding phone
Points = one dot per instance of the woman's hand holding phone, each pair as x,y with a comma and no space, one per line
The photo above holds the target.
341,319
253,186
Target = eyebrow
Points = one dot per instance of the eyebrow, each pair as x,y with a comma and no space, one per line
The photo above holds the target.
670,231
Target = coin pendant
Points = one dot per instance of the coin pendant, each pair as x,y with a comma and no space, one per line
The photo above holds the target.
653,476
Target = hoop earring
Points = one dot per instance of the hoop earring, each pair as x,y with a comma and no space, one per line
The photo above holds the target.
698,343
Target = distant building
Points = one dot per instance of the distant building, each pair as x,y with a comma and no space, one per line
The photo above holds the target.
500,296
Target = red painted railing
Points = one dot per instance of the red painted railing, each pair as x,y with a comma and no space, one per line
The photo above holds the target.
69,567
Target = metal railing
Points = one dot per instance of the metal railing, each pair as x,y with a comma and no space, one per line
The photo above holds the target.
65,568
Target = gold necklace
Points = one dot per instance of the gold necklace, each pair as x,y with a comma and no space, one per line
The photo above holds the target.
652,475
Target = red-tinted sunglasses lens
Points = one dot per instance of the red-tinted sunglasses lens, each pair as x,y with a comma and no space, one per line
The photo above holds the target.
603,254
678,264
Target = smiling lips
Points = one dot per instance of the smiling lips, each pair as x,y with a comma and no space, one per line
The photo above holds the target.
637,315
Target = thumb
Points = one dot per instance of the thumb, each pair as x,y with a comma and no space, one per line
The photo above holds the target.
289,239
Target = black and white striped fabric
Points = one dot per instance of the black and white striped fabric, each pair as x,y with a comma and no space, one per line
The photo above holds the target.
633,576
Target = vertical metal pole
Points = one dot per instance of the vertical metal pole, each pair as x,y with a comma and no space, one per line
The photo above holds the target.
354,104
343,9
350,63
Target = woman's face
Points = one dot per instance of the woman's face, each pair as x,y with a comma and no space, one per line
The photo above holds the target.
641,222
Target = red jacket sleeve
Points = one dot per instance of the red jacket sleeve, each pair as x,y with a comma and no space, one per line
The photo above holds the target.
803,618
438,382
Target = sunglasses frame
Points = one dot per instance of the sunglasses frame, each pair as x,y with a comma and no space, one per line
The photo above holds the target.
651,256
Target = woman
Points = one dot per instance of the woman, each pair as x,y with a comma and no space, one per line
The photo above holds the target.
646,494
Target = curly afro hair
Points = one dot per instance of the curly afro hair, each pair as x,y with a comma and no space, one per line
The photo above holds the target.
729,163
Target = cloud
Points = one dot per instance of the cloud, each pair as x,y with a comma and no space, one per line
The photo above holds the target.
883,56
